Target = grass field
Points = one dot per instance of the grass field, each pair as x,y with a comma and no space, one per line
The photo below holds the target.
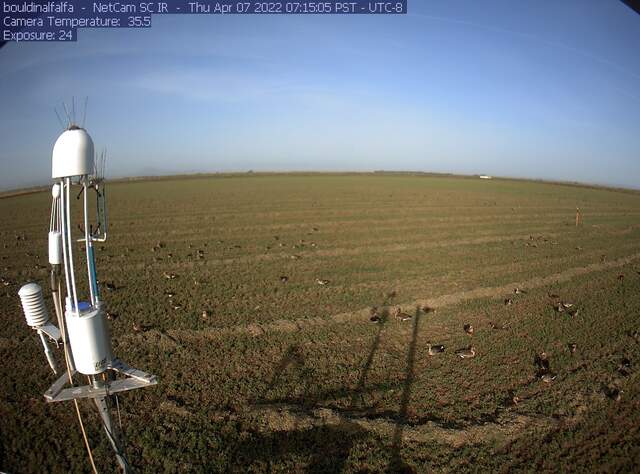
294,377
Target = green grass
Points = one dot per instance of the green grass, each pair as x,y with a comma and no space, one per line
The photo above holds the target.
294,377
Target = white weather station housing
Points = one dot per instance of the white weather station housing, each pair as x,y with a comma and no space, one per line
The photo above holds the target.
82,329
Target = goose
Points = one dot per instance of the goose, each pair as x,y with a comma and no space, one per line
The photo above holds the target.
614,393
468,328
468,353
519,291
435,348
137,327
572,347
542,361
397,312
205,314
508,301
322,282
548,378
375,316
112,316
497,326
169,276
621,277
284,278
625,367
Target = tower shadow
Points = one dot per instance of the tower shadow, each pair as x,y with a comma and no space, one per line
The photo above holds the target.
358,393
396,463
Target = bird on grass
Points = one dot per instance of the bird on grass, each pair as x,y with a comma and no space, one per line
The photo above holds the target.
138,327
519,291
399,314
206,314
284,278
497,327
169,276
468,328
466,353
112,316
561,307
322,282
435,348
508,301
613,392
624,368
572,347
542,362
548,378
110,286
573,311
376,317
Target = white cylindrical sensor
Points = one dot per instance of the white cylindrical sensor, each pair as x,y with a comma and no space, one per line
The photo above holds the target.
89,339
55,247
35,311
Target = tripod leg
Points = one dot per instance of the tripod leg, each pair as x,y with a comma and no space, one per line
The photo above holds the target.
105,415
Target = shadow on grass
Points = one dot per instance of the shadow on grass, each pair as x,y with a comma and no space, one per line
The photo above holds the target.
326,447
314,449
397,464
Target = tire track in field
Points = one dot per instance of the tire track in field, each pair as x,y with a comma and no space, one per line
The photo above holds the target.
284,417
362,315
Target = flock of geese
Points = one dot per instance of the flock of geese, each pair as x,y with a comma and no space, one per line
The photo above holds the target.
541,360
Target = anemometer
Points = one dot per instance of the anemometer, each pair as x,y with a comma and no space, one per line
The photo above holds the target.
82,329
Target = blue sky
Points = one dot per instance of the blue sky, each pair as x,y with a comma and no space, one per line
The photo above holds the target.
540,89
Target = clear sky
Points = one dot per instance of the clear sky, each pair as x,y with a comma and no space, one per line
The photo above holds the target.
539,89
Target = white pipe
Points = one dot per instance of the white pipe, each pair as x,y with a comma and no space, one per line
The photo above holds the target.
70,242
63,217
87,241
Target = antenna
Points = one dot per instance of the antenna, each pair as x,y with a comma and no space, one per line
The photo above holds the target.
82,326
73,109
59,119
84,113
66,111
